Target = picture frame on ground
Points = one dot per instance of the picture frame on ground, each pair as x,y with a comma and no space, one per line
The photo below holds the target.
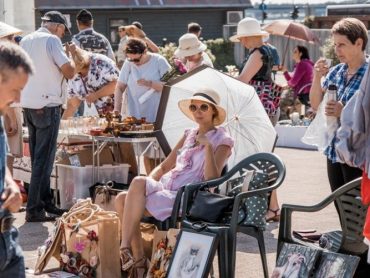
336,265
295,261
193,254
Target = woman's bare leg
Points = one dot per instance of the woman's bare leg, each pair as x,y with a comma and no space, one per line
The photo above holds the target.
132,210
273,206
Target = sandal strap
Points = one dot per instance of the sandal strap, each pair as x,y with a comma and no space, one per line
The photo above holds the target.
275,211
127,259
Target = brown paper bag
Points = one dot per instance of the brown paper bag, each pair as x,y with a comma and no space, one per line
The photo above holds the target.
147,235
163,245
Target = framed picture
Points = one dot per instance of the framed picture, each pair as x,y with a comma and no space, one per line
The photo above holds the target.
295,261
336,265
193,254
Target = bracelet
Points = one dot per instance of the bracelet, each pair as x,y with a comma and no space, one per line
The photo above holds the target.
151,83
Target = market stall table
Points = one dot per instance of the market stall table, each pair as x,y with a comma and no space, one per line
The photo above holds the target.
290,136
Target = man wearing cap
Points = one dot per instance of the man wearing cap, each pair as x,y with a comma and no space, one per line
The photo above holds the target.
90,40
42,99
15,66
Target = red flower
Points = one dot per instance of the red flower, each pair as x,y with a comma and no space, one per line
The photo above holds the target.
92,236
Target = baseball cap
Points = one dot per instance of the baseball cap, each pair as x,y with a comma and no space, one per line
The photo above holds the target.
84,16
56,17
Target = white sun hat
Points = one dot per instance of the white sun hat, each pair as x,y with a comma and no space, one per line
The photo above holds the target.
248,27
6,30
189,45
207,95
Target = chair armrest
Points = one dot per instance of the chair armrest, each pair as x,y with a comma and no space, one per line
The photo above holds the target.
285,227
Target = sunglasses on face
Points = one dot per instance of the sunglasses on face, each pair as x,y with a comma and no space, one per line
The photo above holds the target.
135,60
203,107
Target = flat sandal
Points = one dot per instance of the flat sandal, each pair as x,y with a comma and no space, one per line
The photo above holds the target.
275,217
127,259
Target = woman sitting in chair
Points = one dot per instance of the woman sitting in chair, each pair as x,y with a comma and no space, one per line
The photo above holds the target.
200,155
301,78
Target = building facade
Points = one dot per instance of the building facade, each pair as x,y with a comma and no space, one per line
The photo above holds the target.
160,18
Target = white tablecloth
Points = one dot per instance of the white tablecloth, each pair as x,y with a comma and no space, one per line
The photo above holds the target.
290,136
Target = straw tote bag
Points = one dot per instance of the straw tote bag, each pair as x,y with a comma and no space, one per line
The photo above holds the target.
91,242
86,242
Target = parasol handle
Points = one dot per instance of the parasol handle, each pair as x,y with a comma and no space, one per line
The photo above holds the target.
285,51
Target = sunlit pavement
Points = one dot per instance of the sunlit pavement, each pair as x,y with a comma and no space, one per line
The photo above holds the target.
305,183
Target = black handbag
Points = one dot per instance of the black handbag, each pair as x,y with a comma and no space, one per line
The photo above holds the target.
210,207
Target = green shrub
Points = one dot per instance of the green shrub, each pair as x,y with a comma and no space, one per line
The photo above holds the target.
168,51
220,51
223,51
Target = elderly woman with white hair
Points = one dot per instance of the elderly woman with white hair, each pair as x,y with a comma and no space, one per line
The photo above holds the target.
192,51
258,69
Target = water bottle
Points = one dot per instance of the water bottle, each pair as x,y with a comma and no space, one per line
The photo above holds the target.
325,242
332,92
332,121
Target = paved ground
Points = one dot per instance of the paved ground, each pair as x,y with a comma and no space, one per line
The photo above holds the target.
306,183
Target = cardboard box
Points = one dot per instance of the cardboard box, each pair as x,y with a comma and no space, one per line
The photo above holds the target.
85,157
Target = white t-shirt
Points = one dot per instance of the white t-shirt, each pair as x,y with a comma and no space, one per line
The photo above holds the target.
152,70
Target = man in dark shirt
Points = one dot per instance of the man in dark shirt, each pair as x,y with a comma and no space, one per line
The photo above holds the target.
90,40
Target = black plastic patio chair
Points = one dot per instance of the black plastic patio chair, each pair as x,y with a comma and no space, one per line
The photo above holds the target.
268,163
352,214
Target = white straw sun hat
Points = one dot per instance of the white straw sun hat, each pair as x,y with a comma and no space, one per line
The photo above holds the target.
189,45
248,27
6,30
206,95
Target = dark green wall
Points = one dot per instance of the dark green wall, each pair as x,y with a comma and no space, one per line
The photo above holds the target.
158,24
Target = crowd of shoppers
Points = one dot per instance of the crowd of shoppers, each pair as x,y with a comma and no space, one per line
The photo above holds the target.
41,65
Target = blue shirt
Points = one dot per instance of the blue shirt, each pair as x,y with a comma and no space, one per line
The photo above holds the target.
345,90
3,151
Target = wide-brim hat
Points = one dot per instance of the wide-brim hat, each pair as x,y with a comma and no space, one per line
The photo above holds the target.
7,30
189,45
248,27
207,95
56,17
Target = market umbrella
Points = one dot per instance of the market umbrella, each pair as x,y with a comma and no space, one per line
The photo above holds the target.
246,119
291,30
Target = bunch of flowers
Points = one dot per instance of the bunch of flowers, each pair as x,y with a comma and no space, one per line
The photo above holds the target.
178,69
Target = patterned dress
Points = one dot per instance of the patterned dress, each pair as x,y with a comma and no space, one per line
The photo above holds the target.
160,195
102,70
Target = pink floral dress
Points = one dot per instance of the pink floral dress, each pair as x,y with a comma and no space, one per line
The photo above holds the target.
160,195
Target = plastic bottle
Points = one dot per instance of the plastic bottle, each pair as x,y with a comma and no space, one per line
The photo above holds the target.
332,121
332,92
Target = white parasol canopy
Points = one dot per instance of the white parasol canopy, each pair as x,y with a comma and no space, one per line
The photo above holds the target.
246,119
